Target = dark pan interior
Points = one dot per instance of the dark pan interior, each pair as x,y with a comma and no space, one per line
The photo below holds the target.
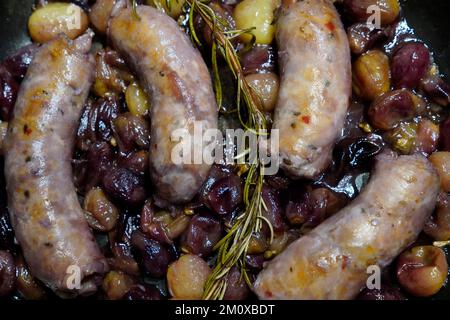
428,18
431,24
13,33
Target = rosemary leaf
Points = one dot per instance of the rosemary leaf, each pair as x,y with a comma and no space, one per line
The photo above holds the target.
216,75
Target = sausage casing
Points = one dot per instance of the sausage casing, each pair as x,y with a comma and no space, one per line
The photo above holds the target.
315,87
45,212
177,80
331,261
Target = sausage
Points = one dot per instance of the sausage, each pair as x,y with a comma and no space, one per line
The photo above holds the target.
47,218
100,14
179,85
315,86
331,261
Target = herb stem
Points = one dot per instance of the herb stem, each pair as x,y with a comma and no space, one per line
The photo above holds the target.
232,248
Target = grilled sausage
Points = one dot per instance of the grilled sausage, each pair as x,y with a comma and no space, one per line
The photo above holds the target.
315,88
45,212
331,261
179,85
102,11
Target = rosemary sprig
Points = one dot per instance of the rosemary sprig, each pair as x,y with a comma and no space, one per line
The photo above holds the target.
233,247
168,4
134,9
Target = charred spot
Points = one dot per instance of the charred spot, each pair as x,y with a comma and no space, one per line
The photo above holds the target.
26,193
28,159
345,261
48,244
27,130
162,74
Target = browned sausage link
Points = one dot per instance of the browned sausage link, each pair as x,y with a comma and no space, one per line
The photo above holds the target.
46,215
315,86
179,85
331,261
101,12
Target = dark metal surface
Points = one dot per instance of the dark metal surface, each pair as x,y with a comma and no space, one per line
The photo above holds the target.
13,31
431,23
428,18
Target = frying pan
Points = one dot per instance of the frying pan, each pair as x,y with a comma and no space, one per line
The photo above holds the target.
429,20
